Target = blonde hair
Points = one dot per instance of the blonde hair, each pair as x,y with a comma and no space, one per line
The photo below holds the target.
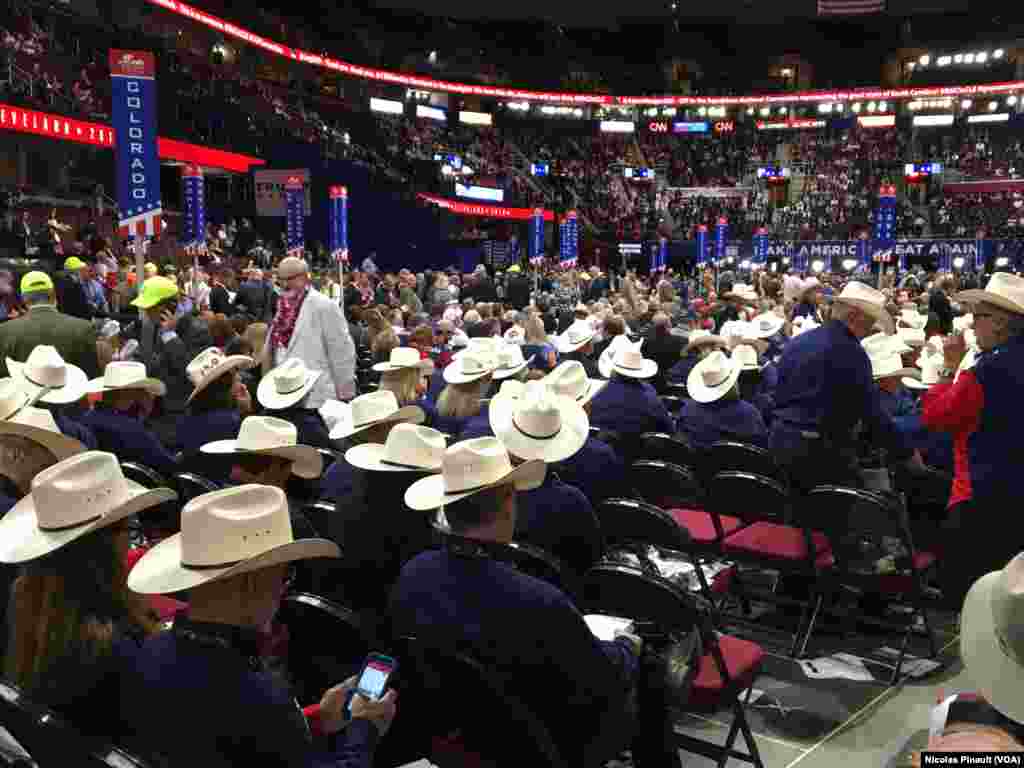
382,344
403,383
534,328
462,401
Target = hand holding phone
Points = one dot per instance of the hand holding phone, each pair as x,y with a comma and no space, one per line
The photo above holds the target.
373,680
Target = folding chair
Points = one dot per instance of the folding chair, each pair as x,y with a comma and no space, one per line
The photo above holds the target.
660,446
769,541
733,456
145,476
146,524
727,667
857,522
191,485
672,403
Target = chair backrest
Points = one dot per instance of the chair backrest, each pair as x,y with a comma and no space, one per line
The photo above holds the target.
628,521
156,520
675,390
672,403
660,446
144,476
448,690
630,593
665,485
748,496
191,485
50,740
729,455
318,513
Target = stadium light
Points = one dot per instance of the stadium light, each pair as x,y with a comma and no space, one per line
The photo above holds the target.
824,108
856,107
881,106
944,61
958,59
998,53
959,262
669,111
1011,100
1002,261
872,106
765,111
818,265
702,111
968,58
966,104
578,112
981,58
750,110
783,110
840,107
849,264
993,106
785,259
925,60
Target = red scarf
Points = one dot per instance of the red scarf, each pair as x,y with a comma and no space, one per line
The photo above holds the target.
284,323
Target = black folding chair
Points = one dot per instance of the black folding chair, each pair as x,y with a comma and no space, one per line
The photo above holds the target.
733,456
145,476
666,485
660,446
191,485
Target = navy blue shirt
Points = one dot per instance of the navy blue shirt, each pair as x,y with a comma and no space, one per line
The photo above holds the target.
825,385
595,469
72,428
630,407
805,309
310,425
559,519
680,372
725,419
194,431
529,631
127,437
898,403
477,426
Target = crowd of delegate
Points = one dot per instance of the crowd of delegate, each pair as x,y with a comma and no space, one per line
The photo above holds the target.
495,407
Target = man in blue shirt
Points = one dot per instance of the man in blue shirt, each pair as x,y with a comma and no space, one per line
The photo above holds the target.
825,388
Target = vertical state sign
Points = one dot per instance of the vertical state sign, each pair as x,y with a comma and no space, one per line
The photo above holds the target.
195,207
295,211
133,107
536,242
338,222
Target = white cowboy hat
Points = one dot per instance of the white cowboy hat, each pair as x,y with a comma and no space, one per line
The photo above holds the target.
1004,290
576,336
402,358
286,385
884,366
511,361
223,534
45,375
699,338
371,409
869,301
807,324
913,337
913,319
209,365
269,436
569,379
604,362
12,398
540,424
713,377
74,497
630,362
125,374
39,426
766,325
409,448
963,322
470,365
990,637
929,374
878,343
746,357
469,467
735,328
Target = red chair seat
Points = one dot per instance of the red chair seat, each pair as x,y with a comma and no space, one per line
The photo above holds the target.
700,525
742,660
923,560
780,542
166,607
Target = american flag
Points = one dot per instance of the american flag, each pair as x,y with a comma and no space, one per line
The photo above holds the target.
142,221
850,7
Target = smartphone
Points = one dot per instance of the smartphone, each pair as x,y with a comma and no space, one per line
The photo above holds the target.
376,673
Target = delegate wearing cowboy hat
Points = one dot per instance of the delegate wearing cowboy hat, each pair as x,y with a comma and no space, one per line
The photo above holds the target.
539,424
35,424
1004,290
47,378
79,495
713,377
409,448
766,325
629,361
472,364
746,357
470,467
124,374
884,342
210,364
267,436
570,379
869,301
286,385
402,358
370,410
576,336
224,534
511,361
700,338
885,365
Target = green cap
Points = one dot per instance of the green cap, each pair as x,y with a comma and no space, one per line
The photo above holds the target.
36,282
154,291
73,263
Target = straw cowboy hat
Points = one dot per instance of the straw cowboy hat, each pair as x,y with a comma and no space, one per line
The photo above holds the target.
885,365
884,342
746,357
765,326
79,495
47,378
576,336
409,448
472,364
912,337
268,436
991,643
125,374
700,338
713,377
540,424
1004,290
286,385
37,425
370,410
209,365
511,361
629,361
470,467
913,319
12,398
869,301
930,368
402,358
224,534
570,379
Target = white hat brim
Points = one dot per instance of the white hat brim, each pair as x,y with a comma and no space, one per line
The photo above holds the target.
879,314
594,387
57,443
647,369
453,374
424,365
229,363
569,440
370,456
507,373
757,333
989,668
271,399
975,295
160,572
153,386
702,340
22,540
76,384
911,383
429,492
410,414
21,400
702,393
564,347
306,460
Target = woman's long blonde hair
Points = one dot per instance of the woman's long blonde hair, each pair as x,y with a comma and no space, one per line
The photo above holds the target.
462,401
403,383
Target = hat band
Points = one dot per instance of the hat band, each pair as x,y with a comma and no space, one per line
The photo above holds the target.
288,391
215,566
719,382
535,437
55,528
38,384
391,463
628,367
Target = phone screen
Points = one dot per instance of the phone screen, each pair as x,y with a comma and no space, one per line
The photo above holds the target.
374,678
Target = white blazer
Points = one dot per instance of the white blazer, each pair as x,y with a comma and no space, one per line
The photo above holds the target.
321,340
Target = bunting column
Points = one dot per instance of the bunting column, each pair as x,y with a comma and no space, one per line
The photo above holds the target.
295,208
